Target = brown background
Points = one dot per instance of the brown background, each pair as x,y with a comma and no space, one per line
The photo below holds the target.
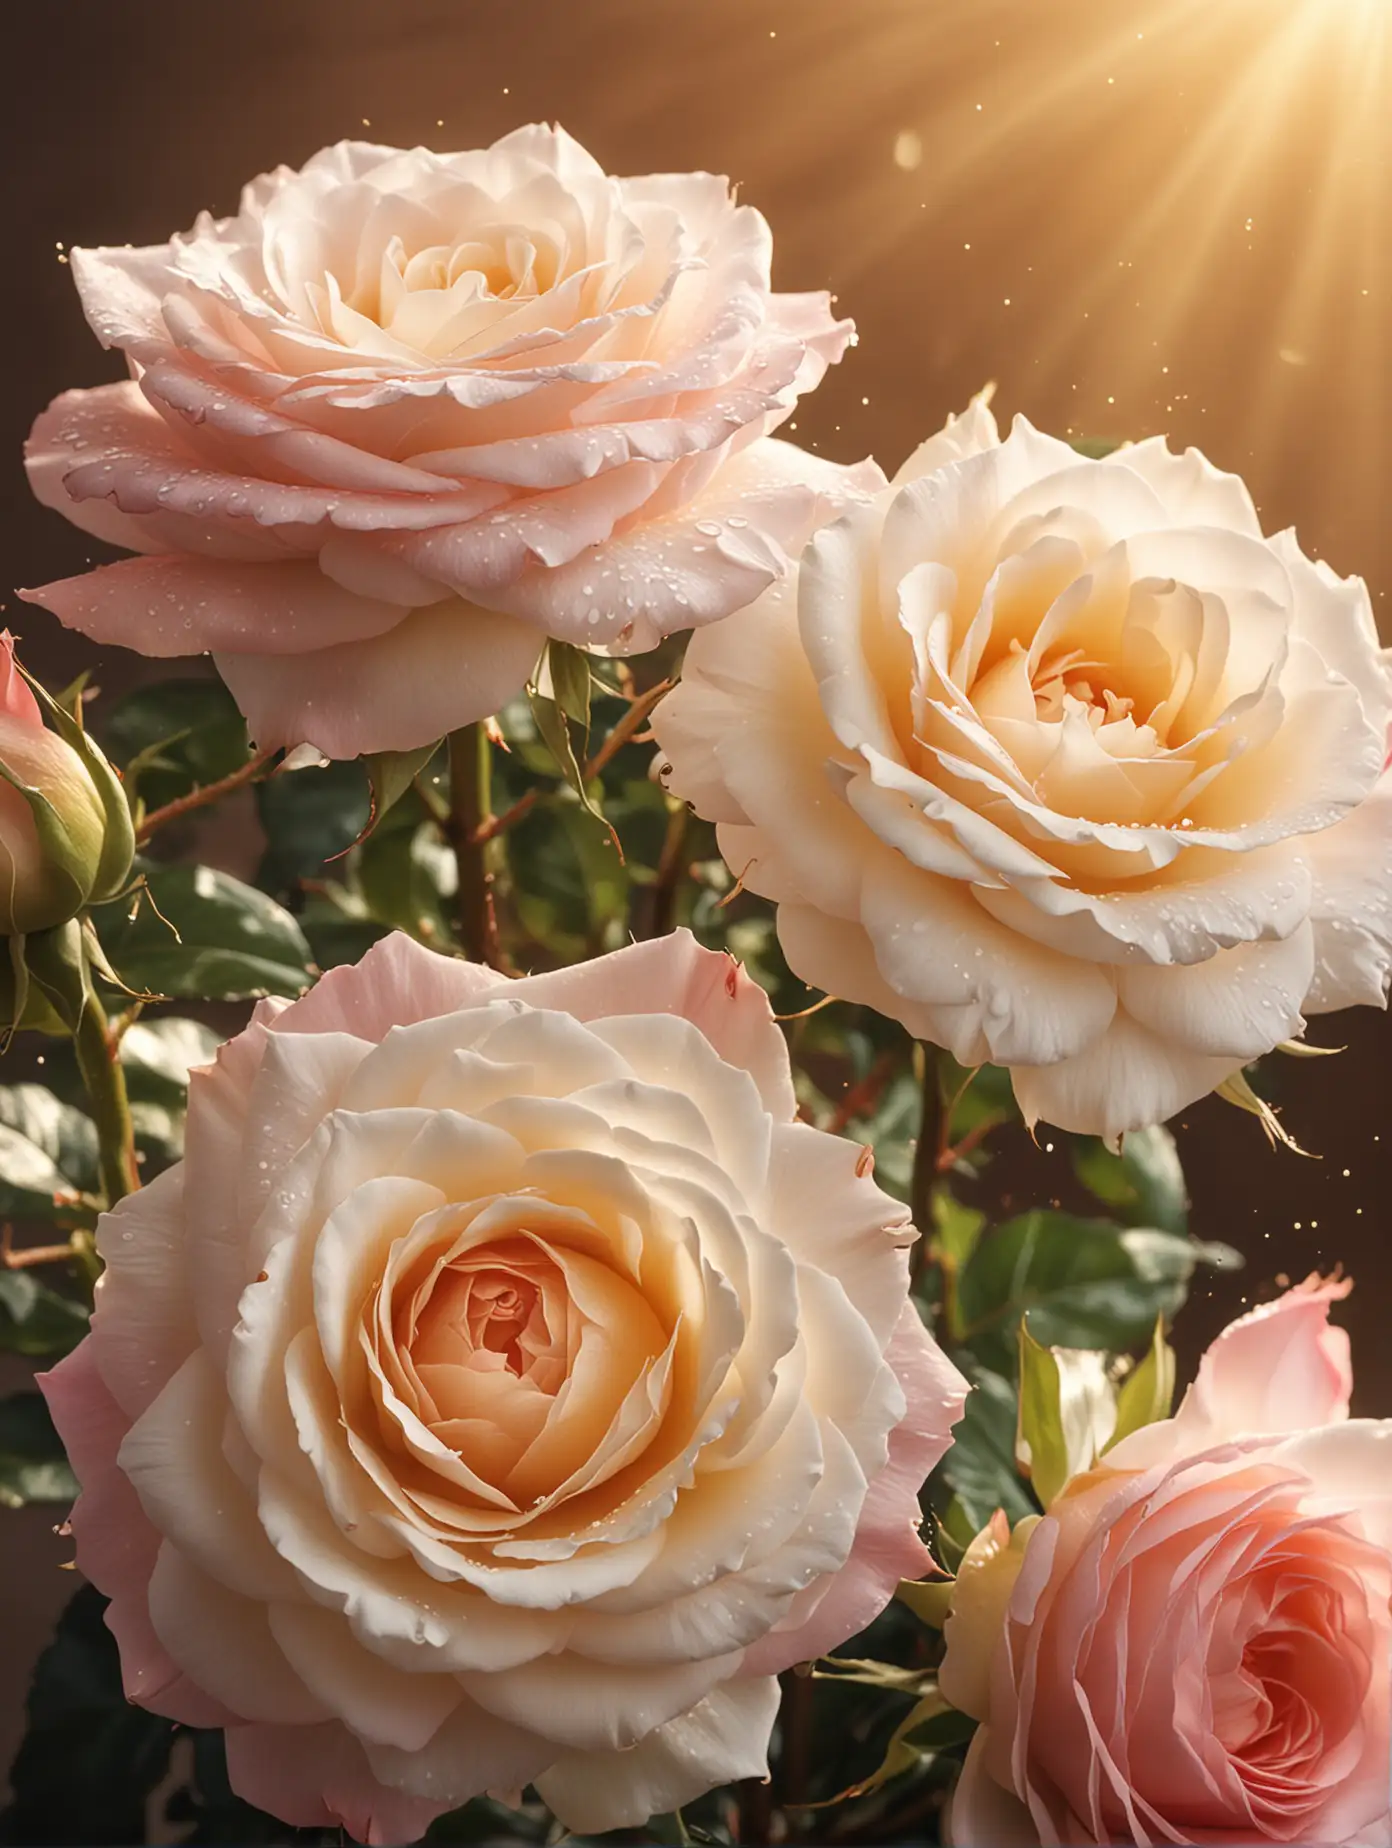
1132,214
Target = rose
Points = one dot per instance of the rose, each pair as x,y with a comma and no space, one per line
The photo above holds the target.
1061,764
1194,1644
408,414
65,828
503,1390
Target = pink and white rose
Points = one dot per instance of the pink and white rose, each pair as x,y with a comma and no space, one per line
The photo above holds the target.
1195,1643
503,1391
408,414
1062,763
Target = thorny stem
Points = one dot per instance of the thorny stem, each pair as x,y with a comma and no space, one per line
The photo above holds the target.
201,797
98,1059
467,826
796,1768
756,1811
932,1128
659,904
861,1099
928,1151
30,1255
622,733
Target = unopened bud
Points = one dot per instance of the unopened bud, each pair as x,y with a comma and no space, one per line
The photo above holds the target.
65,826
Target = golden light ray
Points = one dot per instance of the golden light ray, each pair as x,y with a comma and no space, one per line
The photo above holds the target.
1185,203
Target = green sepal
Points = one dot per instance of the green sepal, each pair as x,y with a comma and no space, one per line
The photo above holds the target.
930,1600
58,971
118,834
1147,1393
1041,1446
60,853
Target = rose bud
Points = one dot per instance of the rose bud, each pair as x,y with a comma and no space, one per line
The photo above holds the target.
65,827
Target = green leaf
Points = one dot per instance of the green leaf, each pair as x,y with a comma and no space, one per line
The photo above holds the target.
983,1096
47,1149
1147,1394
570,684
158,1055
308,817
159,1136
930,1726
571,893
1097,448
1145,1183
891,1131
338,927
175,736
37,1321
233,943
956,1228
554,728
90,1759
33,1467
407,876
1085,1284
392,773
980,1468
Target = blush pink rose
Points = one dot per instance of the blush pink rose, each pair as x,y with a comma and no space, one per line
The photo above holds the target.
407,414
1195,1643
504,1390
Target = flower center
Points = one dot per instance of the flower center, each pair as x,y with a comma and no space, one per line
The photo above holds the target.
493,1311
1068,682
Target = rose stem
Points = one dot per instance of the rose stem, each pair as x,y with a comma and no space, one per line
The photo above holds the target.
99,1061
627,726
796,1767
931,1130
657,912
202,796
756,1811
470,816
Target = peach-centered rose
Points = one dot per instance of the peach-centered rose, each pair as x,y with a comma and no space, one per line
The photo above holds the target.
503,1391
407,414
1194,1644
1061,763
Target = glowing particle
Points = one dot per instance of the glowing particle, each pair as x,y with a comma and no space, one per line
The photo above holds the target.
908,150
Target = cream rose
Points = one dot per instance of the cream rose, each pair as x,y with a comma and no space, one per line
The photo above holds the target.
1062,764
407,414
1195,1644
503,1390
